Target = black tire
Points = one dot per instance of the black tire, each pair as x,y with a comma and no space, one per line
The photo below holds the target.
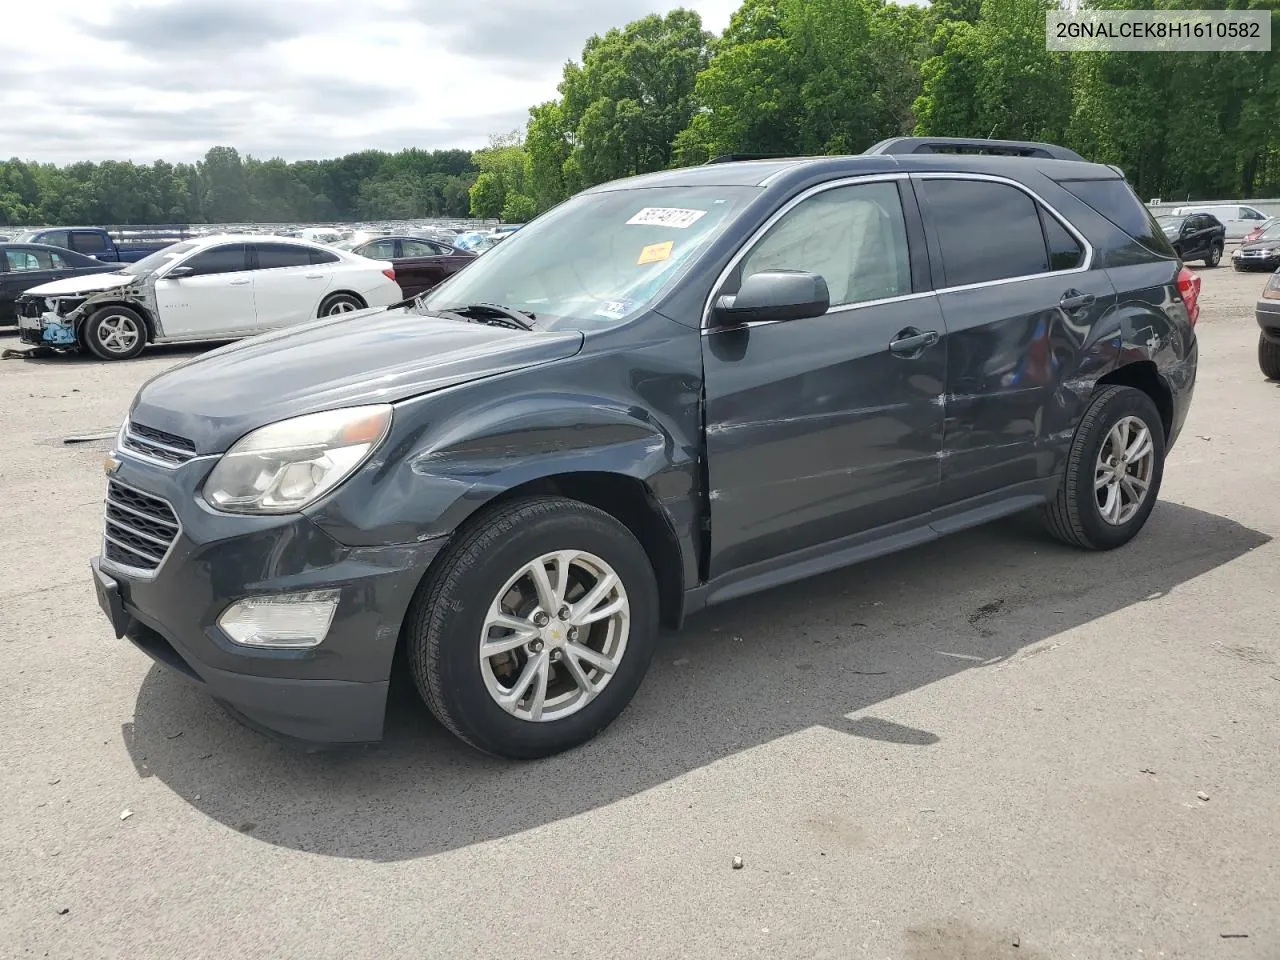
1215,256
1269,357
1074,515
447,619
338,303
114,333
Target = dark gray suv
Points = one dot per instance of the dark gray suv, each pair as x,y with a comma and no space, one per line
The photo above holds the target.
665,393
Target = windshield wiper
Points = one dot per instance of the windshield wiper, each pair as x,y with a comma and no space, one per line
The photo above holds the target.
494,313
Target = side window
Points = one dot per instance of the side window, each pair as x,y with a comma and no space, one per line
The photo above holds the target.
1248,213
987,231
419,248
855,237
23,261
54,238
87,242
272,256
1065,251
229,258
317,256
380,250
59,263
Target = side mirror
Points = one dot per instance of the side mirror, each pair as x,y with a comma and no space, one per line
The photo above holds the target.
177,273
774,295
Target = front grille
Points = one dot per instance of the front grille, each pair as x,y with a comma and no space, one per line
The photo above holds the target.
156,444
140,528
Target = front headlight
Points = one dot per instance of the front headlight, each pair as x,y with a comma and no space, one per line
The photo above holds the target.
282,467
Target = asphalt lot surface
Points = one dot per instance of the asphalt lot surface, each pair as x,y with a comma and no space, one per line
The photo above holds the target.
988,747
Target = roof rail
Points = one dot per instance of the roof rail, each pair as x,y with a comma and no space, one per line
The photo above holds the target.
1009,148
734,157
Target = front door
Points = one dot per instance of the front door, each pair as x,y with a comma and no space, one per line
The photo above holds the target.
214,300
1020,301
829,427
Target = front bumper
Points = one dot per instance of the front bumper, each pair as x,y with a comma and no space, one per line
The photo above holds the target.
1267,313
44,328
1250,260
332,693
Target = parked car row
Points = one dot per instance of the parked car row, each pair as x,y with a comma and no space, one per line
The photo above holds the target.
214,288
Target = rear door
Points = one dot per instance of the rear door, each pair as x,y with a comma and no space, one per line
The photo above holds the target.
288,287
91,243
214,300
1019,298
424,264
827,428
22,268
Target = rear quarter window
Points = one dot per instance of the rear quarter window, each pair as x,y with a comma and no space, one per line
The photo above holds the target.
1115,200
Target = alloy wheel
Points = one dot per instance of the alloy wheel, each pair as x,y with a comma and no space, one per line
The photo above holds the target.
554,636
1125,466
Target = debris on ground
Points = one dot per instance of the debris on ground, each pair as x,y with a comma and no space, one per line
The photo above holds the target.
126,814
1234,936
1203,796
738,863
90,437
1147,770
33,354
63,911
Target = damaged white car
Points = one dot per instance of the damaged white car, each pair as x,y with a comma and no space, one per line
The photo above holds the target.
214,288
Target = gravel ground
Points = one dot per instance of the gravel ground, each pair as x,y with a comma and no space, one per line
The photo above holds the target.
988,747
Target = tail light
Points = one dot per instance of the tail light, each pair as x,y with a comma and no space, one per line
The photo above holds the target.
389,273
1189,287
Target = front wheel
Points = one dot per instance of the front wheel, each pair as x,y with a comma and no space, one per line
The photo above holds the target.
1269,357
1215,256
1113,474
115,333
535,629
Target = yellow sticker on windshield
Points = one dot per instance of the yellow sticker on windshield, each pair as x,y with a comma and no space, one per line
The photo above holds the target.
655,252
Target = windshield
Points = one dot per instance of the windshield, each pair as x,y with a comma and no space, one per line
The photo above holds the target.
154,261
598,258
1270,233
1170,223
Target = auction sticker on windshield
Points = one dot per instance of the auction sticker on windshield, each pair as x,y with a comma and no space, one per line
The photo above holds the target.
666,217
615,309
655,253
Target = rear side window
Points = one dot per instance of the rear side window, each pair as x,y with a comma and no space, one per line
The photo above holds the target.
987,231
316,256
87,242
1115,200
1065,251
274,255
54,238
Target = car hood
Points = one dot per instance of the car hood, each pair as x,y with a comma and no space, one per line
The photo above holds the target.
89,283
371,356
1261,245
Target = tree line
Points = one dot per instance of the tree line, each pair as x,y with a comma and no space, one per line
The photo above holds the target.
785,77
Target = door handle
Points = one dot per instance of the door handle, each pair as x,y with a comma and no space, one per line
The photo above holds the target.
239,283
1074,300
315,276
911,341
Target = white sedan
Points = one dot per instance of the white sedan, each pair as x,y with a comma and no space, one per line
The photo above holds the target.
213,288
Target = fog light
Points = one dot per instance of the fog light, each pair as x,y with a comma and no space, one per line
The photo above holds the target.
287,621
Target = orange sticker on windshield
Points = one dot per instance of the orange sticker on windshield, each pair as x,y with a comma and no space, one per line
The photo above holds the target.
655,252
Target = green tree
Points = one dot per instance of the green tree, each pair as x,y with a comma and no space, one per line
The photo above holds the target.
518,208
487,196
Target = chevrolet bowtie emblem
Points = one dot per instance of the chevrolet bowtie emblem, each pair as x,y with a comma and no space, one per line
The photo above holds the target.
110,465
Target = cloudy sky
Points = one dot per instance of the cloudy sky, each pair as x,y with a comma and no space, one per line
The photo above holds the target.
88,80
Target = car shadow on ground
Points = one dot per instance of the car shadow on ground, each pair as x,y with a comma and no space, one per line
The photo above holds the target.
823,653
175,351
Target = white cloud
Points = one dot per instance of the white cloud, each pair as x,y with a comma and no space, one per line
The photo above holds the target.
301,79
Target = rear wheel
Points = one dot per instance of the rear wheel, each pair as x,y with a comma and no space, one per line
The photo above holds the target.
1269,357
115,333
1215,256
1114,469
340,303
535,629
